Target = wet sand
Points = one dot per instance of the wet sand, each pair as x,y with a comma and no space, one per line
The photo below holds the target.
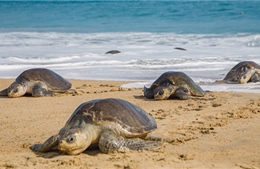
220,130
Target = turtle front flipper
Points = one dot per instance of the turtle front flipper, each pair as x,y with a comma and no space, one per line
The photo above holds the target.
255,77
42,92
182,93
49,144
109,142
148,93
4,92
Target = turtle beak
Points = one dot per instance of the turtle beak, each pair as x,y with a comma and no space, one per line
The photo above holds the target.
61,145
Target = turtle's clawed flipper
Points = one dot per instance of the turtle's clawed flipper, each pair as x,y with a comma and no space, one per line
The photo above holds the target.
148,93
52,142
182,93
110,142
41,92
139,144
255,77
4,92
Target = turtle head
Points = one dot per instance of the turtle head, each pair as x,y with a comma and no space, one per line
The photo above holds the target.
244,74
163,92
74,141
16,90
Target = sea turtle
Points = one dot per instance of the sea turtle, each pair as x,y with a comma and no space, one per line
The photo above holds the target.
244,72
173,84
111,124
37,82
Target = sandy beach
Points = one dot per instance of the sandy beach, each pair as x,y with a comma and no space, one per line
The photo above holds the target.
220,130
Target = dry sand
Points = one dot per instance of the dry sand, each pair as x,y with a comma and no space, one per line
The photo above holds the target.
221,130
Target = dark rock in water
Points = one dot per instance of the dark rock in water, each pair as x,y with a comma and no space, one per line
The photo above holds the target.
178,48
113,52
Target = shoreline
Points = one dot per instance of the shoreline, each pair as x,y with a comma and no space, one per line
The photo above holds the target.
220,130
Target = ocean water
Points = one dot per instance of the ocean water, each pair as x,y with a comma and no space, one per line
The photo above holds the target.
72,37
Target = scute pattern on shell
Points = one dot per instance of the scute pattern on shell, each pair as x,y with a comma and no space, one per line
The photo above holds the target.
116,111
178,79
54,81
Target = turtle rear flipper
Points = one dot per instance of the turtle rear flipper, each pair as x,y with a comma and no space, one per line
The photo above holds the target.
109,142
48,145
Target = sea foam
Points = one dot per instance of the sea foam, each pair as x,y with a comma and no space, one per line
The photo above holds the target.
143,57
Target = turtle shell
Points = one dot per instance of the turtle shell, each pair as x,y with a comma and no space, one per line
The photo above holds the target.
53,81
178,79
131,118
239,69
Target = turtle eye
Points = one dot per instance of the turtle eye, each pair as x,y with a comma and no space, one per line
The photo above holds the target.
15,90
71,139
161,92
